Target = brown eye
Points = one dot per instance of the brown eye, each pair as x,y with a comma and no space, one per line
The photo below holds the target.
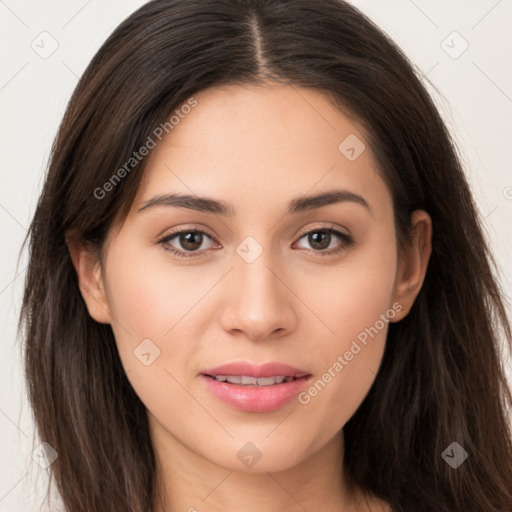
321,239
185,241
191,241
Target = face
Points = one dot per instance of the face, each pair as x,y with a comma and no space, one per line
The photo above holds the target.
264,275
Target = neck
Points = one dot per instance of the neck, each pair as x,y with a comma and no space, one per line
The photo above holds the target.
188,482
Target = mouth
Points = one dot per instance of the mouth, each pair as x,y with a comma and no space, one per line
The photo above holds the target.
248,371
247,380
255,388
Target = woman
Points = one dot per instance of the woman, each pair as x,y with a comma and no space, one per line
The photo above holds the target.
257,279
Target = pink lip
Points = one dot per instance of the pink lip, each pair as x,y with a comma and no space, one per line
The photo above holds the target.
255,398
252,370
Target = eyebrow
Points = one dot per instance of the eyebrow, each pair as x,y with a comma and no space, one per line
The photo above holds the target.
209,205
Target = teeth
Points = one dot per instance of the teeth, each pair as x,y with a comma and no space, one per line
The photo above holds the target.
246,380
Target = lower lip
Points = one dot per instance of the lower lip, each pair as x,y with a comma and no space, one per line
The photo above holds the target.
256,398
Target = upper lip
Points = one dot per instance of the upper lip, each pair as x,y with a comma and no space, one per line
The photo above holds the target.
253,370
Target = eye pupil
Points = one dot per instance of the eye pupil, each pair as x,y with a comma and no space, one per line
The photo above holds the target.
192,240
318,237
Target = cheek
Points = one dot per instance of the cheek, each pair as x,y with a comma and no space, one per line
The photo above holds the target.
357,310
147,305
151,330
161,312
148,294
137,300
351,296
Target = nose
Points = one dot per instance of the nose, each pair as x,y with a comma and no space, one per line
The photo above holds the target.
259,302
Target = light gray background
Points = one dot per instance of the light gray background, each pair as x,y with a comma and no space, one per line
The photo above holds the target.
475,97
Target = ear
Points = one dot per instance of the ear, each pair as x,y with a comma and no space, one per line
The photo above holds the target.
90,279
412,265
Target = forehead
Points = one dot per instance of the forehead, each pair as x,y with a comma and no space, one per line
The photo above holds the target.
276,117
258,143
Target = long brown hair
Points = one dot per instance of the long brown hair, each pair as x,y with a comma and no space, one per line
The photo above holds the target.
441,379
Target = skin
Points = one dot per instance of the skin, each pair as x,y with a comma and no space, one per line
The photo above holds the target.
255,148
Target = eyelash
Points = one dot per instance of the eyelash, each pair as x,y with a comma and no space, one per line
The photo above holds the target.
347,239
